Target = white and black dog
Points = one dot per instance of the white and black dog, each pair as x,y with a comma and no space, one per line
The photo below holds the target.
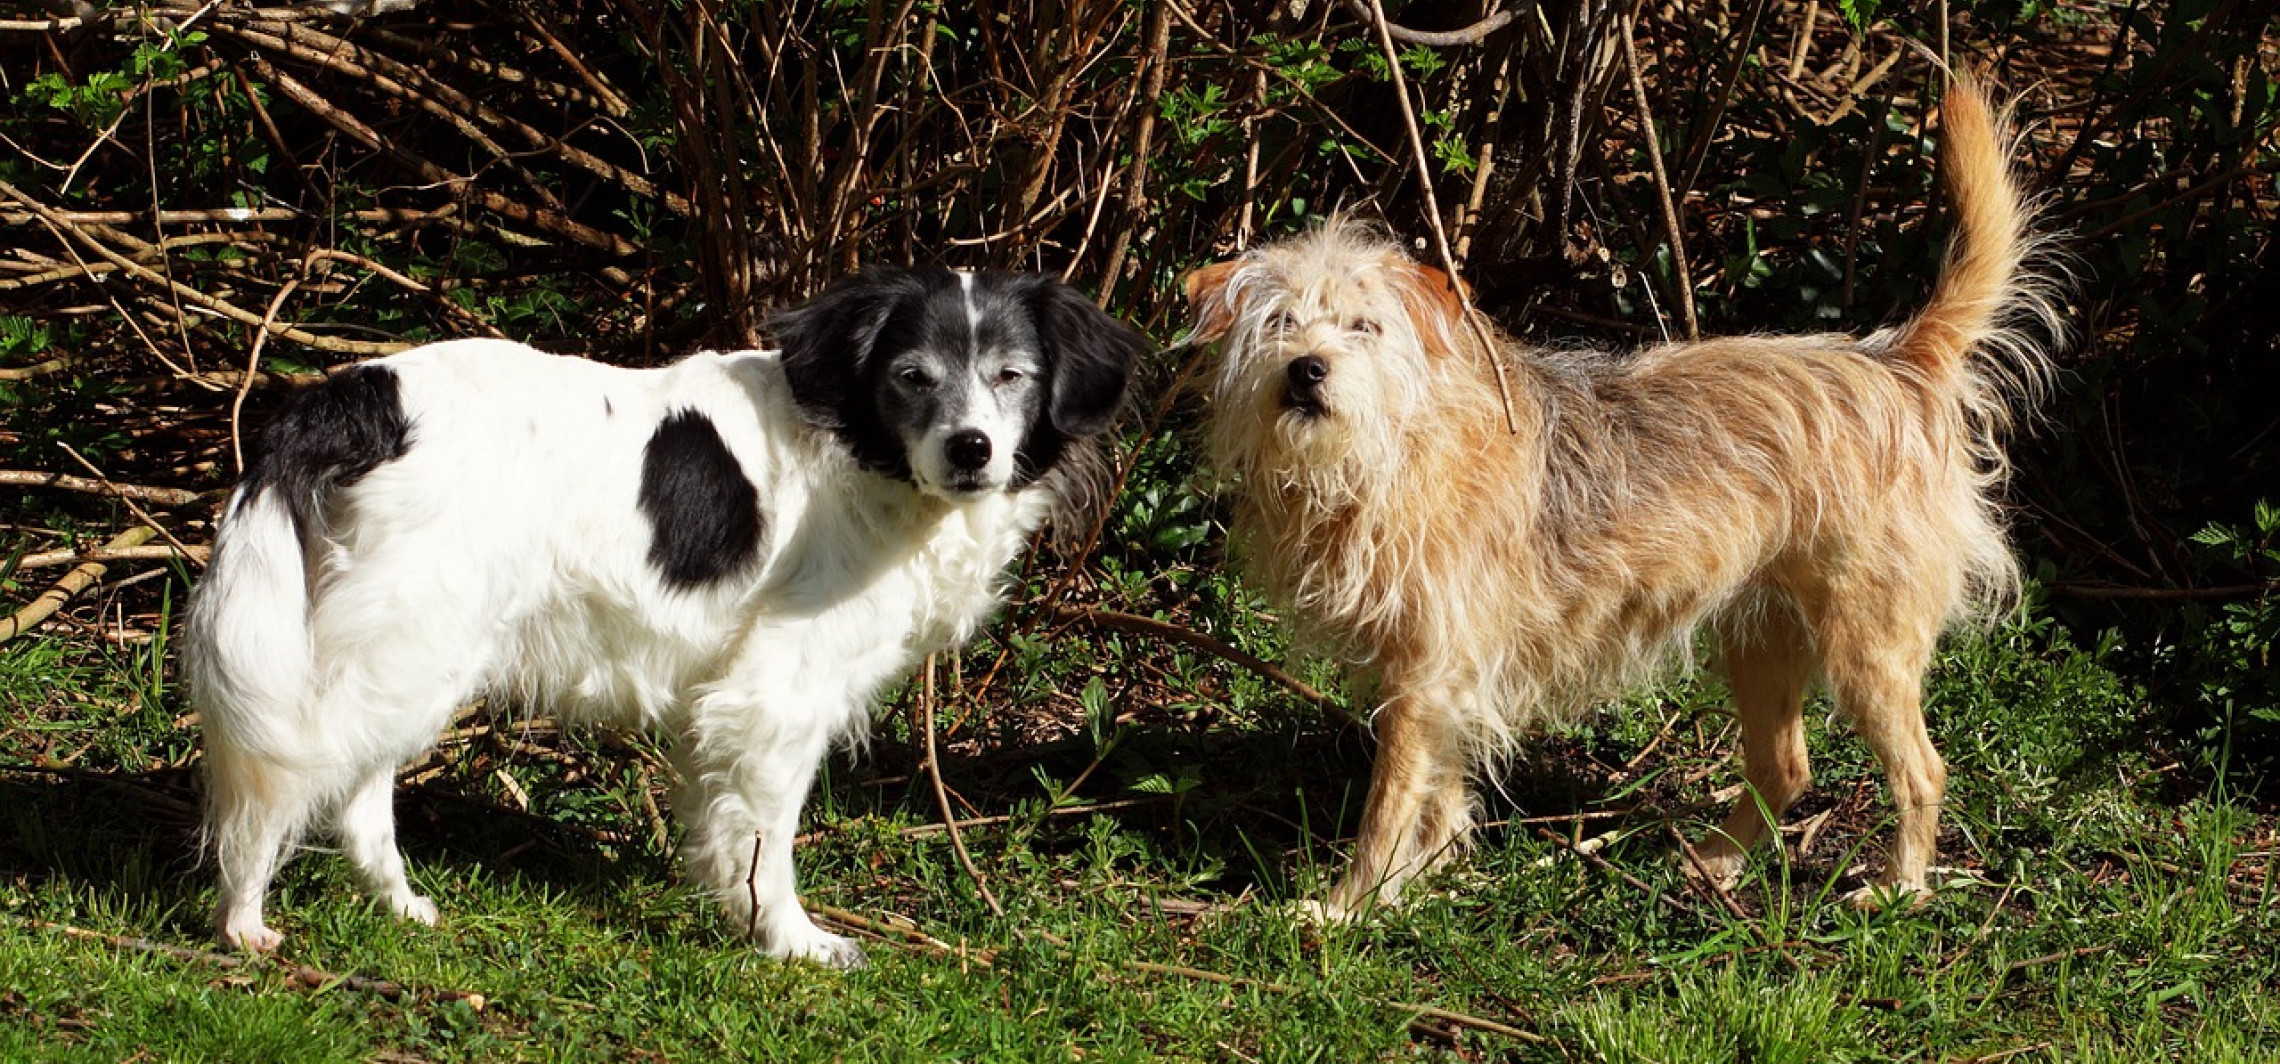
738,550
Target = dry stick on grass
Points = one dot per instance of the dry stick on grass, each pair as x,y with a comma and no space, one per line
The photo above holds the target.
1421,1012
1684,275
1602,864
66,482
913,937
73,582
303,975
1702,870
107,555
1473,316
923,830
942,794
36,369
1138,625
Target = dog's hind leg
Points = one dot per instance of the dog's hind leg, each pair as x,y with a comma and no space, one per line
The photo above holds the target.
255,809
1875,648
1418,762
367,826
1768,660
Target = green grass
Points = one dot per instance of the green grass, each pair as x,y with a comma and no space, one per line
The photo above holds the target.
2112,901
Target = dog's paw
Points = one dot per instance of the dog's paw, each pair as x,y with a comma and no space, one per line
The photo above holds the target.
416,908
817,946
1720,869
251,936
1877,897
1324,913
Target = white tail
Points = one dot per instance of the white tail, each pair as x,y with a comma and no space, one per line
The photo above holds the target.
246,648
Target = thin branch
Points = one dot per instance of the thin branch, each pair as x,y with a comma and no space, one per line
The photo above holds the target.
53,558
1684,275
942,794
253,365
1473,34
1421,1012
137,510
73,582
1602,864
213,303
1138,625
1472,314
66,482
302,975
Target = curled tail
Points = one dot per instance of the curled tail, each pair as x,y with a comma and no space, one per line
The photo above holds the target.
1989,283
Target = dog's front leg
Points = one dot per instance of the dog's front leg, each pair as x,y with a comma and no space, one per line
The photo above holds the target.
745,771
1416,765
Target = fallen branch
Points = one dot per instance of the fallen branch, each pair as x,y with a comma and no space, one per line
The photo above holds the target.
36,369
105,555
1602,864
1419,1012
942,795
923,830
1138,625
73,582
140,513
66,482
183,291
300,974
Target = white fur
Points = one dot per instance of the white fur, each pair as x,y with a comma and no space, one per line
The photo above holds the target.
505,553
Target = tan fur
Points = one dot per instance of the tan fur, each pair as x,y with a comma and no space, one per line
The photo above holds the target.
1824,505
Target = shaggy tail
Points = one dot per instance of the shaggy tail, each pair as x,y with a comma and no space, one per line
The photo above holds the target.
1986,282
246,648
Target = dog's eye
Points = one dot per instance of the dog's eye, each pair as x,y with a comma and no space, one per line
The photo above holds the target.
1284,321
1366,326
1009,375
915,377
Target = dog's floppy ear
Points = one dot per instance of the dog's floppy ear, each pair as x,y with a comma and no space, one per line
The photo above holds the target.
1434,296
1091,355
827,340
1209,301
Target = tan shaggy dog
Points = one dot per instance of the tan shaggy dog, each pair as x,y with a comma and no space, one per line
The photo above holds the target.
1821,505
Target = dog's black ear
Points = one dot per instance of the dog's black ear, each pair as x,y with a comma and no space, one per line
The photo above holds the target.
828,340
1091,355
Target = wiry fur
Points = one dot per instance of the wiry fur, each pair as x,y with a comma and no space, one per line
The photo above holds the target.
698,550
1821,503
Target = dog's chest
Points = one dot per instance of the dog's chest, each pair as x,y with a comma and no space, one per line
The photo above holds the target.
952,579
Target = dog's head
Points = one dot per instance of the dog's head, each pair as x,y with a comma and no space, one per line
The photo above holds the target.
959,383
1330,342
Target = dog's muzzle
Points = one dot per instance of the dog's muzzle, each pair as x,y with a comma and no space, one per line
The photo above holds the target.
1302,385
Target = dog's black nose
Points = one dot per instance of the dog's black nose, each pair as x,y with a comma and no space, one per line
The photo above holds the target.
1307,372
968,449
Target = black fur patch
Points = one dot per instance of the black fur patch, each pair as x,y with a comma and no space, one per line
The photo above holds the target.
330,435
704,515
1090,357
